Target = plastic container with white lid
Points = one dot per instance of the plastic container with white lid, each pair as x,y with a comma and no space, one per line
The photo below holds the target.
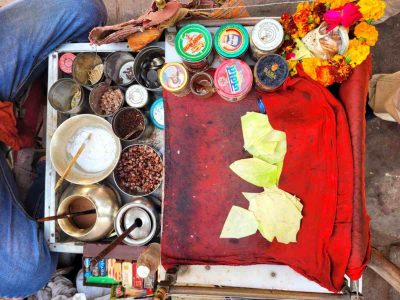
266,37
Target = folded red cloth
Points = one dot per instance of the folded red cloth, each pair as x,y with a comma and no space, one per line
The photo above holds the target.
353,94
8,128
203,137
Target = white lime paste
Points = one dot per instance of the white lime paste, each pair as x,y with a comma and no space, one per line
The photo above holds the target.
99,151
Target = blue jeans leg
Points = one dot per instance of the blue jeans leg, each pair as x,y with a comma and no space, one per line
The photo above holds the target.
26,261
31,29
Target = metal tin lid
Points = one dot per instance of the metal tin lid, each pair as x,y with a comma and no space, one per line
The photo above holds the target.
131,216
126,73
231,40
233,78
193,42
66,61
157,113
136,96
271,71
267,35
174,77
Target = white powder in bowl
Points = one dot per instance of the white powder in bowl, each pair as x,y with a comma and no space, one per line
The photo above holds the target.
99,151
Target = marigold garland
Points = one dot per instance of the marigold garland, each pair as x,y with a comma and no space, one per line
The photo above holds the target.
308,16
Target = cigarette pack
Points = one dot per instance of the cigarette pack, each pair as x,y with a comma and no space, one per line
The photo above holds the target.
127,274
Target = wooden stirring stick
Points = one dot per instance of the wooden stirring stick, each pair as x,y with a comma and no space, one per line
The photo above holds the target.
72,162
67,215
114,243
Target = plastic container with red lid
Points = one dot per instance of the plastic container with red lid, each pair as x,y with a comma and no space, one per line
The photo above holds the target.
65,62
233,80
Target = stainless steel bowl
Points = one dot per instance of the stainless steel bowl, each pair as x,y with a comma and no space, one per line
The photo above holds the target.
140,208
142,194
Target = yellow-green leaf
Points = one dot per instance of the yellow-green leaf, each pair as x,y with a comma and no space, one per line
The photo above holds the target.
256,171
239,223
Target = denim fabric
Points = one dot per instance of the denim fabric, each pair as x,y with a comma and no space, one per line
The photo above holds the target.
29,31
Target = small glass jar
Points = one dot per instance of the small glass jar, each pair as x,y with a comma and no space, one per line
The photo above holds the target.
266,37
231,41
270,72
175,79
233,80
201,85
193,43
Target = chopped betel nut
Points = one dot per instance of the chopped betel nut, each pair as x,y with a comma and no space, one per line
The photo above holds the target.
110,101
139,170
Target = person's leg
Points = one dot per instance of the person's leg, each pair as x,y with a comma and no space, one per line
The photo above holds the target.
31,29
26,261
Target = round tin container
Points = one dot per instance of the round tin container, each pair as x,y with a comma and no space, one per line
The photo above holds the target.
143,209
231,40
119,67
67,96
88,69
148,62
266,37
95,97
193,43
136,96
175,79
116,125
157,113
270,72
233,80
66,61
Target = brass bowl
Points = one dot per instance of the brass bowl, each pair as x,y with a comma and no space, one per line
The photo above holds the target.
104,199
58,149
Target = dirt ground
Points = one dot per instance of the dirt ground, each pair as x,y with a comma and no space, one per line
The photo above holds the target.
382,162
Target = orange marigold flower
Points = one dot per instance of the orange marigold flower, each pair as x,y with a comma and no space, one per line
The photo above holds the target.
333,4
324,75
310,66
367,33
356,53
372,9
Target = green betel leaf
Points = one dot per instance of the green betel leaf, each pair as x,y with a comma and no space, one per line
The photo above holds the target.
239,223
256,171
261,140
278,214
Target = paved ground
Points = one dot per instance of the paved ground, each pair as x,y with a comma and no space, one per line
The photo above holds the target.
383,142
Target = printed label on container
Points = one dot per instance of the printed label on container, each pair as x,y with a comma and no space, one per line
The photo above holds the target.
174,77
267,35
234,78
136,96
193,42
231,40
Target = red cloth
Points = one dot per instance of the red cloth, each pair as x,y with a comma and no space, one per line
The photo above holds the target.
20,133
203,137
353,94
8,128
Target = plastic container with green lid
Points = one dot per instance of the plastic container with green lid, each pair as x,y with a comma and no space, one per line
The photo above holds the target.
231,40
193,43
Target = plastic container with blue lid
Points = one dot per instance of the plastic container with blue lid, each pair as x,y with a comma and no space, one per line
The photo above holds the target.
157,113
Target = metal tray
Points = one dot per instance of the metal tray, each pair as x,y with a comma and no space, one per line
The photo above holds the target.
56,239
